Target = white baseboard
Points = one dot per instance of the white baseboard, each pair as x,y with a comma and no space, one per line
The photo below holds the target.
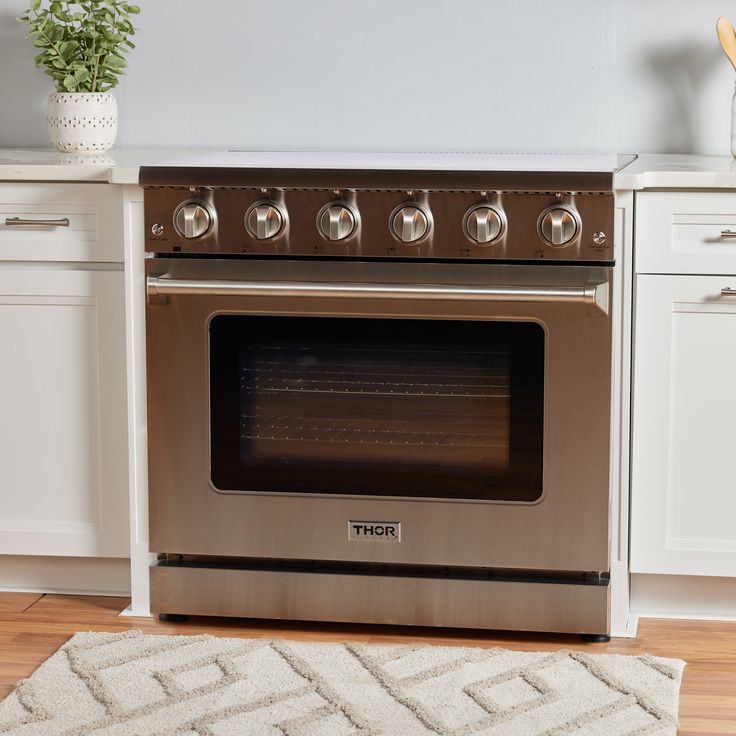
69,575
683,596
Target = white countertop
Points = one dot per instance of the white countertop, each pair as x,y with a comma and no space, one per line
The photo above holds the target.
120,165
678,171
116,166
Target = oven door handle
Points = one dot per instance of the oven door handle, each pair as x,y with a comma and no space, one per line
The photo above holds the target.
593,294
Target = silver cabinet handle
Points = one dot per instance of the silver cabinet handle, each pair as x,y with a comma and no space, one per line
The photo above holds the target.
63,222
728,291
594,294
728,234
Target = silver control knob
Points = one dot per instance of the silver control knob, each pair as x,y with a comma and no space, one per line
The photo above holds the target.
559,225
264,220
192,219
409,223
336,221
484,224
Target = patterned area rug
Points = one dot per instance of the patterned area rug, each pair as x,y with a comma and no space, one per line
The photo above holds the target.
132,683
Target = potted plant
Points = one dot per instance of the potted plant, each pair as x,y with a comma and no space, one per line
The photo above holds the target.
82,47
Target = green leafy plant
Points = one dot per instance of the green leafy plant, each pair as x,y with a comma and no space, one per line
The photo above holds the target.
82,43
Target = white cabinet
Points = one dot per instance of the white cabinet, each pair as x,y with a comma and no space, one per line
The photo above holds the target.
63,427
684,433
92,213
684,396
685,232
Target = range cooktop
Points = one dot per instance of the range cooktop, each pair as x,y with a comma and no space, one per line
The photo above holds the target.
431,205
415,161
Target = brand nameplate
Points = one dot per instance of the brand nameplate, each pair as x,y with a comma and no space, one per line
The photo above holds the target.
374,531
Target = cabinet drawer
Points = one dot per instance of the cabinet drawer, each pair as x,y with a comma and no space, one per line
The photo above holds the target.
87,229
681,232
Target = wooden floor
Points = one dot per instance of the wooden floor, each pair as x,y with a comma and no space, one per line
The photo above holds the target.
33,626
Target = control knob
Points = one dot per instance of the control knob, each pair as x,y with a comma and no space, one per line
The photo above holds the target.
484,224
336,221
559,225
264,220
409,223
193,219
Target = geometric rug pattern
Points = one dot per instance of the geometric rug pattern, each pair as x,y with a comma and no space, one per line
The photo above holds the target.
139,684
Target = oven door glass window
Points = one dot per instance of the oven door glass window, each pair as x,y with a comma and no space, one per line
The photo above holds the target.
377,407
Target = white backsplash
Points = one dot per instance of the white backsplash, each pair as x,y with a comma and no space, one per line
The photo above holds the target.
578,75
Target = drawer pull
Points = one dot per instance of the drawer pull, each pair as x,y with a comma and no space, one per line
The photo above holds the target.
63,222
728,234
728,291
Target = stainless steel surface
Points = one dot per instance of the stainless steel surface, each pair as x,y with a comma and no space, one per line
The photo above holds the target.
728,291
336,221
599,238
559,225
514,531
410,223
447,238
265,220
157,228
18,221
566,530
305,596
593,294
484,224
728,234
192,219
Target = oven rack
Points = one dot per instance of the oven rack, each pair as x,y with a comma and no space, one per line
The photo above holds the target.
356,431
376,390
371,367
376,382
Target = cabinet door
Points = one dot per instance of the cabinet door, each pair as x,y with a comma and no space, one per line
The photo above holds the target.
683,515
63,447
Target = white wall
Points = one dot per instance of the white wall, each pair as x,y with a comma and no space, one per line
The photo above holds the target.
499,75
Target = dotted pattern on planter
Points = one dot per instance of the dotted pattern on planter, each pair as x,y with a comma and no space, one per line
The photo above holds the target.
72,98
78,124
76,147
92,121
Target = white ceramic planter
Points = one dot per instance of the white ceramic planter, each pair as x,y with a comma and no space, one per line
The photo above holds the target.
82,121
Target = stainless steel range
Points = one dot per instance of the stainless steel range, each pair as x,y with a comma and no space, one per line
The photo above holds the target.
379,388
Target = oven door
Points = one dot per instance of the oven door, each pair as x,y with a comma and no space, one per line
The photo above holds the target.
401,413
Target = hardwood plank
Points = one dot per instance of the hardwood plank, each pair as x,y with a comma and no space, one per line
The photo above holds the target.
31,633
75,606
17,602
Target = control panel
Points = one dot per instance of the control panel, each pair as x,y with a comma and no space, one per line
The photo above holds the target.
435,224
